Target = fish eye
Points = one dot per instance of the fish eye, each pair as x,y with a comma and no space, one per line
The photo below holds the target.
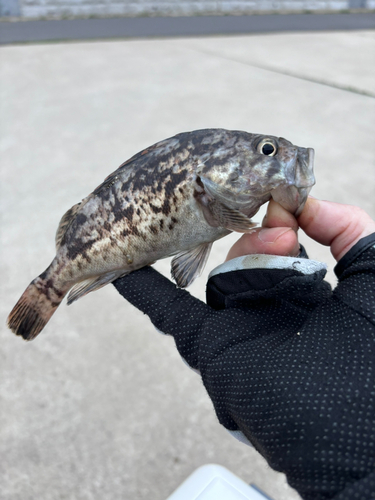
267,148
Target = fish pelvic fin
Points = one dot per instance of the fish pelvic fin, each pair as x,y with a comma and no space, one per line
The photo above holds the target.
90,285
186,266
35,307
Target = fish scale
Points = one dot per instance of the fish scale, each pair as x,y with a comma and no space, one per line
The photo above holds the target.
174,198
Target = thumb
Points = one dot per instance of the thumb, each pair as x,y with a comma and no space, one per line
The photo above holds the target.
335,225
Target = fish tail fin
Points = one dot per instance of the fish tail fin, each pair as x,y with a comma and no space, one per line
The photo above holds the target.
35,307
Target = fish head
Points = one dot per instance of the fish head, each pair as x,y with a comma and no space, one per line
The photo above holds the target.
259,168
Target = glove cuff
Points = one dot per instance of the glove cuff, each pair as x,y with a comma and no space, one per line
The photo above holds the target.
262,261
243,281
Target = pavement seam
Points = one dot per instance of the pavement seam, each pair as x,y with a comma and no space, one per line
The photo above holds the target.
326,83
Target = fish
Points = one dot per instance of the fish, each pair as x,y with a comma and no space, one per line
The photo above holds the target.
174,198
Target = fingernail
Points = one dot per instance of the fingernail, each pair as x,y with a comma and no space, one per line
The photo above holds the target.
270,235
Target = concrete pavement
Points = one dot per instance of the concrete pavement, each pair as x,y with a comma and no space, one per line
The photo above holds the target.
100,406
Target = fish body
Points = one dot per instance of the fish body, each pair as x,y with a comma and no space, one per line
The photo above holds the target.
173,198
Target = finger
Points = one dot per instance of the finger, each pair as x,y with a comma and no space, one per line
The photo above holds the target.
277,216
271,241
335,225
278,239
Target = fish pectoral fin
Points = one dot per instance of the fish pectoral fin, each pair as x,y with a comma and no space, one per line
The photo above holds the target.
230,218
186,266
224,195
221,207
65,221
90,285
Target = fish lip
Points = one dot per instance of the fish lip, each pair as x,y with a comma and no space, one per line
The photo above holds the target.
293,196
304,176
305,179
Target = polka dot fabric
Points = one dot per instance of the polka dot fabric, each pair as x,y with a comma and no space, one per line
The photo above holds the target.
286,361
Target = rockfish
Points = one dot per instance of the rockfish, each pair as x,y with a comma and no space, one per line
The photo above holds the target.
174,198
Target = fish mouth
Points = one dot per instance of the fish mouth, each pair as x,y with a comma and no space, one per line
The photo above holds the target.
293,196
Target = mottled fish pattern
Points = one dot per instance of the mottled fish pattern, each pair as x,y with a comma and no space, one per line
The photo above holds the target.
173,198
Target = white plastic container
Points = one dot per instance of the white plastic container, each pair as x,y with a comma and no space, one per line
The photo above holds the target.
214,482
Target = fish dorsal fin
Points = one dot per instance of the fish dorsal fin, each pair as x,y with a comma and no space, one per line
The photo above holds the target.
65,221
186,266
90,285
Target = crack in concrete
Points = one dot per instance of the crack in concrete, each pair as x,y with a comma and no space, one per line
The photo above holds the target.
346,88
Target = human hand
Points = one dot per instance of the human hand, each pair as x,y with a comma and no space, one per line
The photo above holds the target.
288,365
332,224
277,236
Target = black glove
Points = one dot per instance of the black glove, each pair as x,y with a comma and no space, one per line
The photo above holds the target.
288,364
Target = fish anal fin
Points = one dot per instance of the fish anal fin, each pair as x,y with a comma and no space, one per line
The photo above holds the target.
65,221
90,285
186,266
